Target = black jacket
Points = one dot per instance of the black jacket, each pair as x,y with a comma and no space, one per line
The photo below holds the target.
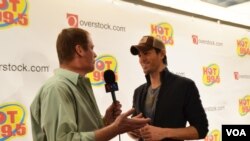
178,102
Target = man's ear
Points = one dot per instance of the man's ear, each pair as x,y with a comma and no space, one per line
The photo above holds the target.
79,50
163,52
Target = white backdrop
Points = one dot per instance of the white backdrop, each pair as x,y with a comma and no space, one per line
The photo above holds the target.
198,49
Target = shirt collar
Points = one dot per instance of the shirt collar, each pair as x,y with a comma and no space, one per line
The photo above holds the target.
70,75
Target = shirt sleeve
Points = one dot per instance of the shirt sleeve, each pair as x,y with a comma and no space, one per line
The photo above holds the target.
195,112
58,118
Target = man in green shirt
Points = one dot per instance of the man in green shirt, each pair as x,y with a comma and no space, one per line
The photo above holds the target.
65,108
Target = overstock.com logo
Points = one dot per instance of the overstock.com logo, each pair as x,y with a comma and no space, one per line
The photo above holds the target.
195,39
72,20
236,75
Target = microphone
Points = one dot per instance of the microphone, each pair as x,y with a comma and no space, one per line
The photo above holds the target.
111,85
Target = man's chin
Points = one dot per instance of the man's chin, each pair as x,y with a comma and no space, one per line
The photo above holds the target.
90,70
145,71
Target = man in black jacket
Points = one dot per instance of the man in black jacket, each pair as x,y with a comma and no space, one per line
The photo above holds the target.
168,99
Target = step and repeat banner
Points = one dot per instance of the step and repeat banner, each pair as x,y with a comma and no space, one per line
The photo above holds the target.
215,56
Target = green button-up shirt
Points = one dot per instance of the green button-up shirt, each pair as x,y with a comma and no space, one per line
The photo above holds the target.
65,109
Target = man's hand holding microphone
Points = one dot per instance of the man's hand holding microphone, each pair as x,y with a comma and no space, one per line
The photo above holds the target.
116,121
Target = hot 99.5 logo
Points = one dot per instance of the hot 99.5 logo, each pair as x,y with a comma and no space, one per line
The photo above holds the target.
211,74
13,12
164,32
214,135
102,63
12,121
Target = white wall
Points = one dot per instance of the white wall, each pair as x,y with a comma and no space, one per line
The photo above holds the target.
33,45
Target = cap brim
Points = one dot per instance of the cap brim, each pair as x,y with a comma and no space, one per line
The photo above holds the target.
136,48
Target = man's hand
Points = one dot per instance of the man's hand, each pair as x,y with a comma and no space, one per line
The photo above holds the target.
124,124
152,133
135,134
121,125
113,111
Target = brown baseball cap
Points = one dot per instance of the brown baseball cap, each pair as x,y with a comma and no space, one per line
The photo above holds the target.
147,43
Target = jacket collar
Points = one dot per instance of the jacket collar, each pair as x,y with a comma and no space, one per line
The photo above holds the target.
165,72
